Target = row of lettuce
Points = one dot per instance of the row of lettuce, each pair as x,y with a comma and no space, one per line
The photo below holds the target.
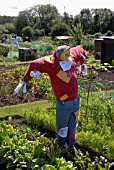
24,148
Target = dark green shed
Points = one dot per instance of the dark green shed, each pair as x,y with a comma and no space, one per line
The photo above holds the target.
107,50
27,54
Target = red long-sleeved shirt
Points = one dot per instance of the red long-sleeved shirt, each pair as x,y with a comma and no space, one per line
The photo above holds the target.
64,83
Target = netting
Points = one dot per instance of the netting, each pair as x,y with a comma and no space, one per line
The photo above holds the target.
13,54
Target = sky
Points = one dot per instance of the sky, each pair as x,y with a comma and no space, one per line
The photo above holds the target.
72,7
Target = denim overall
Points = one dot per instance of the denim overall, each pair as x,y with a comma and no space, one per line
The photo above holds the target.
66,121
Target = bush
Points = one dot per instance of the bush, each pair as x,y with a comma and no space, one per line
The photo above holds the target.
97,35
109,33
97,56
4,50
88,45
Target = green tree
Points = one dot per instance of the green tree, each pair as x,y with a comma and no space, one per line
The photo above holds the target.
22,21
7,19
76,20
86,20
101,20
46,15
2,29
10,27
67,19
59,30
39,33
77,33
112,22
27,32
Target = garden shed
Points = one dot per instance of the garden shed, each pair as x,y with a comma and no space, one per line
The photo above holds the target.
107,50
27,54
98,43
63,39
104,47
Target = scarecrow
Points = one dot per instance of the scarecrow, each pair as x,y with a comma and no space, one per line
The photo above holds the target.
61,68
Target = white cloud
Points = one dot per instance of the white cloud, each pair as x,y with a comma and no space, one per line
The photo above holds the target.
12,7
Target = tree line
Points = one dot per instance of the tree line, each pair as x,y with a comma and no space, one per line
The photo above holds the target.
45,20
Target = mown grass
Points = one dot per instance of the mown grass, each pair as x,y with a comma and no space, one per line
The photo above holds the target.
21,108
7,63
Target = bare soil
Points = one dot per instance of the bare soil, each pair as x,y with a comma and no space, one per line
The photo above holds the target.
107,76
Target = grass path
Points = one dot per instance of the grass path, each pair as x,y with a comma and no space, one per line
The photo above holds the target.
21,108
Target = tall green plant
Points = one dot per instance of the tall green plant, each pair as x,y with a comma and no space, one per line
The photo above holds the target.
77,33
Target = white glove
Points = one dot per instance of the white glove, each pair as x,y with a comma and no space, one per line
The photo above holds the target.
84,71
20,85
35,74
